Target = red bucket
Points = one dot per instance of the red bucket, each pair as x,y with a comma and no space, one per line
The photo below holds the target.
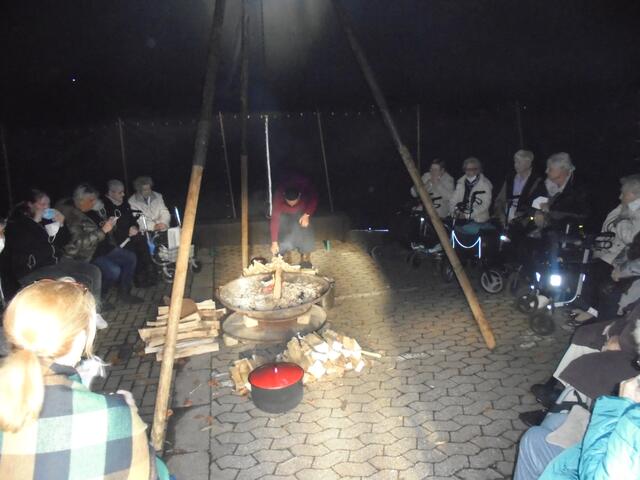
276,387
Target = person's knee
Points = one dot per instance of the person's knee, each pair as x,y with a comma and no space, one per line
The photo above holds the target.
110,270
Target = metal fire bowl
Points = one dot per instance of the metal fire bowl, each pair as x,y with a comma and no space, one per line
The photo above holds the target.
233,295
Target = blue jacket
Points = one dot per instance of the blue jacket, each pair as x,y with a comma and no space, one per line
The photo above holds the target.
610,449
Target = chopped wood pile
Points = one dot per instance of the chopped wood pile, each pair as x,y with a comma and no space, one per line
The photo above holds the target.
276,262
198,329
324,355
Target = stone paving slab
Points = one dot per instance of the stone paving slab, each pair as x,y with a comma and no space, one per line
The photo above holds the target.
438,404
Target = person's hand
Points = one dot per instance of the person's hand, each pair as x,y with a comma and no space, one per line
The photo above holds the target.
128,397
615,274
538,219
109,224
160,227
59,217
275,248
304,220
133,231
612,345
631,389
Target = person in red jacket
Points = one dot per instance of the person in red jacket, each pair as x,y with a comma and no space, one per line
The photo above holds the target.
294,203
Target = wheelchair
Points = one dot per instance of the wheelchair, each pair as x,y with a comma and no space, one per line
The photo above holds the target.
557,281
164,246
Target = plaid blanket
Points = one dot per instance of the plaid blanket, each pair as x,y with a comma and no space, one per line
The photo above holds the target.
80,435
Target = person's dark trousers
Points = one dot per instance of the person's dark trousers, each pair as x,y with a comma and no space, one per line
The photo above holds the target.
598,276
293,237
82,272
145,273
117,266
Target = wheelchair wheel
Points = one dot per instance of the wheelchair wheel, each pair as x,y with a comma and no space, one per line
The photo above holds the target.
195,266
376,252
527,300
491,281
446,271
542,322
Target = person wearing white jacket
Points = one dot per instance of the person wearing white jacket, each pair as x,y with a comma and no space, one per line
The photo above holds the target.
151,204
467,202
440,186
624,223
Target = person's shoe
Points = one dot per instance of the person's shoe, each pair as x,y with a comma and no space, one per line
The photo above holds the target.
101,323
532,418
126,297
545,395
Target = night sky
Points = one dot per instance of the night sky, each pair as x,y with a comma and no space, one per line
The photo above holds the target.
76,61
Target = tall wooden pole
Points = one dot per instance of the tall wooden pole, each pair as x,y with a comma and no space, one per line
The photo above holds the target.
226,164
519,124
203,135
470,294
7,171
244,110
123,154
324,159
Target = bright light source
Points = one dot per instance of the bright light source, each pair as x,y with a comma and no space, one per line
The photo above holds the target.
538,277
555,280
504,238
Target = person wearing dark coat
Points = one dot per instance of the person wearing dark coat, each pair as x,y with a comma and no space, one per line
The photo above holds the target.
35,245
565,198
514,199
127,234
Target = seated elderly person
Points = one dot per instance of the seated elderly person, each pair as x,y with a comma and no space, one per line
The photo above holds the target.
52,426
514,199
603,444
624,223
127,234
36,236
155,214
471,199
561,199
439,185
91,240
599,356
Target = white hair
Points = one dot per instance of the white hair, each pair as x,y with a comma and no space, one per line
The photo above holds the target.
83,190
631,183
140,182
470,161
560,160
113,183
525,155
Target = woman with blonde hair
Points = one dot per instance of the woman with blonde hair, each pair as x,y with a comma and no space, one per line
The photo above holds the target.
51,425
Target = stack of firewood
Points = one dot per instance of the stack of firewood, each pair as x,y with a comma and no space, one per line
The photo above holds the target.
324,355
198,329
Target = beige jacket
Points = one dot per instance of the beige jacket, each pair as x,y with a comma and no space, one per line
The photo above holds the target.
624,222
154,210
480,210
443,189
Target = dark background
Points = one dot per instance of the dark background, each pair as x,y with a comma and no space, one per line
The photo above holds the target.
71,68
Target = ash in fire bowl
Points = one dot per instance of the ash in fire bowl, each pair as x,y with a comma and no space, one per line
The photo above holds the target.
255,293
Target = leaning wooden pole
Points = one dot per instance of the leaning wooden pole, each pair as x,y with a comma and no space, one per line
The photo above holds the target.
244,160
469,293
203,135
123,154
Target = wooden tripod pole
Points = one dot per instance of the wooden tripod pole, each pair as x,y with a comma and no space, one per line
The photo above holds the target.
244,110
5,157
123,155
469,293
203,135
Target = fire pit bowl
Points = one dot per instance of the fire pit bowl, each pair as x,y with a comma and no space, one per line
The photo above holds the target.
248,295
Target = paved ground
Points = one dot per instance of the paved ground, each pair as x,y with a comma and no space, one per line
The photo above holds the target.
438,404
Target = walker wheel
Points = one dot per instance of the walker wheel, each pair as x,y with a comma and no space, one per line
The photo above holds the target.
542,322
492,281
446,271
527,302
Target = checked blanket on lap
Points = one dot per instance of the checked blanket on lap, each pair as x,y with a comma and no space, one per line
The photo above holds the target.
79,435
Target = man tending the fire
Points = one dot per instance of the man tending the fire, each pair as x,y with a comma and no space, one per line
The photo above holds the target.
294,203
